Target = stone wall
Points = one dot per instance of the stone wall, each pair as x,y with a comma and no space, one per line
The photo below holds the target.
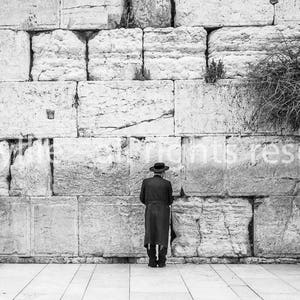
87,106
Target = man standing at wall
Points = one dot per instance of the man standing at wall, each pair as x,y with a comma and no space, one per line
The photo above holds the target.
156,194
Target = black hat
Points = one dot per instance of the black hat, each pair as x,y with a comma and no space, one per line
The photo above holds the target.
159,168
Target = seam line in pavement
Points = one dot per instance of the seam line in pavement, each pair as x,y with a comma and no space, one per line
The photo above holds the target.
64,292
186,286
26,285
87,285
244,282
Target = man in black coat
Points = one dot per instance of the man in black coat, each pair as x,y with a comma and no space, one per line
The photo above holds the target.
156,194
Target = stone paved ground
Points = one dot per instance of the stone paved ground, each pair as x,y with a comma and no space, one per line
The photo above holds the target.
138,282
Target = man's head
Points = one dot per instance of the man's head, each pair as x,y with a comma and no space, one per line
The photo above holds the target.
159,169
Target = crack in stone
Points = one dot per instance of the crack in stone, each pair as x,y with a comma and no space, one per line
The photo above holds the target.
228,231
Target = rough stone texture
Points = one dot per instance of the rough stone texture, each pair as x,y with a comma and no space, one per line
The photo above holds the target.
146,151
223,107
287,11
29,14
204,165
91,166
4,167
137,108
152,13
30,170
14,65
262,166
24,109
211,227
15,226
111,226
54,226
238,47
58,55
215,13
277,227
91,14
175,53
115,54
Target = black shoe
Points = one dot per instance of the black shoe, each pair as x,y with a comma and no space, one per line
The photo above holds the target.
161,265
152,263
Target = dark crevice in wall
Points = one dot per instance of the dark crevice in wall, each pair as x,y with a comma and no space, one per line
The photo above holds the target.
209,30
274,2
31,55
143,54
51,150
173,234
76,105
127,19
173,12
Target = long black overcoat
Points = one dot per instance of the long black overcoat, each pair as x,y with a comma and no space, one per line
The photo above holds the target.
156,194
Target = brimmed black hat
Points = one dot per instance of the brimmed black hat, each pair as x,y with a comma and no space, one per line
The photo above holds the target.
159,168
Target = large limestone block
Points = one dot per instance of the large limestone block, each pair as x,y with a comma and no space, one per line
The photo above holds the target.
204,160
54,226
277,227
39,109
30,170
144,152
4,167
115,54
175,53
287,11
58,55
224,107
240,46
262,165
29,14
125,108
111,226
215,13
91,166
91,14
152,13
14,65
210,227
14,226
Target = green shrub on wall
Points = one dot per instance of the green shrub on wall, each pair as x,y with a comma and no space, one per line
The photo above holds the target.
275,81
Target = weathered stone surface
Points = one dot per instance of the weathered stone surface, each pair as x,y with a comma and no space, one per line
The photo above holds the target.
39,109
125,108
54,226
91,166
4,167
111,226
240,46
175,53
29,14
211,227
14,65
146,151
277,227
30,170
223,107
287,11
262,166
58,55
91,14
115,54
152,13
215,13
15,226
204,165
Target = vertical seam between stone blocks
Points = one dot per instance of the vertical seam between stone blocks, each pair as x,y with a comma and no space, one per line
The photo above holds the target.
225,180
173,12
206,50
51,152
31,56
143,53
59,12
87,58
76,105
31,208
274,14
173,92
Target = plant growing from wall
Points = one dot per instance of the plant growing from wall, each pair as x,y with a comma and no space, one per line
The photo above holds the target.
127,19
214,71
142,74
275,82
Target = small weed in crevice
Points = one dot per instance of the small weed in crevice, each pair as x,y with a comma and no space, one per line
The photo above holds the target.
141,74
214,71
